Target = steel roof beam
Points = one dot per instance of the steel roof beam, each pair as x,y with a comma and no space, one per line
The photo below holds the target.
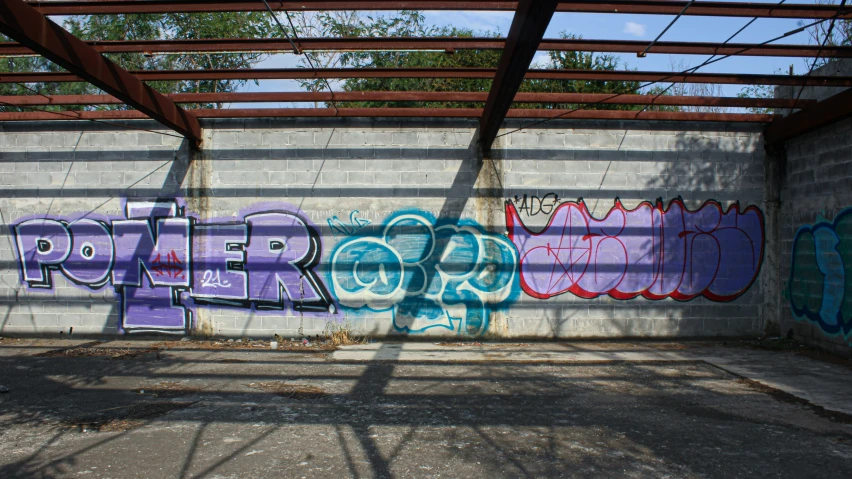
528,26
382,96
443,44
398,113
24,24
485,73
652,7
825,112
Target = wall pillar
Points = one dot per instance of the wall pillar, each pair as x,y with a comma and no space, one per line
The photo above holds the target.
771,283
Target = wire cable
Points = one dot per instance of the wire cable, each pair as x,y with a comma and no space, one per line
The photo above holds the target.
819,52
684,72
644,52
72,115
297,49
712,57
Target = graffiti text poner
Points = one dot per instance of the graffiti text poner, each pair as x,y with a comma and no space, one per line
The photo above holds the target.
163,263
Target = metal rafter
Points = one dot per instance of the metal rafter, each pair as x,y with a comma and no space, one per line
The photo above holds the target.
442,44
401,113
528,26
633,7
24,24
419,96
484,73
825,112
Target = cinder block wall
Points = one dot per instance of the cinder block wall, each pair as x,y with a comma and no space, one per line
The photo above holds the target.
576,229
816,238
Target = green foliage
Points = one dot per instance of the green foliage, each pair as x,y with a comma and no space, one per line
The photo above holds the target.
413,24
580,61
152,27
660,90
336,24
760,91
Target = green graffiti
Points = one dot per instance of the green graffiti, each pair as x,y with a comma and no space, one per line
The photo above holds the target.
843,230
806,278
820,285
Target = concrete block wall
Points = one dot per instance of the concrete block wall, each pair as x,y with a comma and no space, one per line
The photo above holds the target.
814,189
600,162
380,193
816,193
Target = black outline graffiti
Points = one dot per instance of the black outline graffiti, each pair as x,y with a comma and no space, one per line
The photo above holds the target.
527,203
151,213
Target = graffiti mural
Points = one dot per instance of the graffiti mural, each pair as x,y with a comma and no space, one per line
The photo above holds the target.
820,284
648,251
429,275
163,263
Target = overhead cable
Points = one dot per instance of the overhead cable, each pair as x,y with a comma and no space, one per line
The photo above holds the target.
687,71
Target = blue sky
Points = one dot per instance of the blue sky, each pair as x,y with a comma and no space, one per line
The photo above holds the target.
647,27
629,27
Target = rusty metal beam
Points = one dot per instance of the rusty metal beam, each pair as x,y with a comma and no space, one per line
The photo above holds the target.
528,26
472,97
24,24
443,44
653,7
486,73
825,112
399,113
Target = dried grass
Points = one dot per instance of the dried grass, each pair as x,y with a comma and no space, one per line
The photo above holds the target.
170,389
291,391
109,353
342,334
123,418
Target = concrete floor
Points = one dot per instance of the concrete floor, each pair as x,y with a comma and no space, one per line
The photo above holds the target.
188,411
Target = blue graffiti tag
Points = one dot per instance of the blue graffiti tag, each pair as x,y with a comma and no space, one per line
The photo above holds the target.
429,275
820,284
337,226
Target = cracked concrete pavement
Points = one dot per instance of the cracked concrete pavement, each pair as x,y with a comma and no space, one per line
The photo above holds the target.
420,410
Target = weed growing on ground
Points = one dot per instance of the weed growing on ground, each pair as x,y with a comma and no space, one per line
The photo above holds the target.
341,334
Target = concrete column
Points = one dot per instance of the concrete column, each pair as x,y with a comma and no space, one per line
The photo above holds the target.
198,186
771,283
489,207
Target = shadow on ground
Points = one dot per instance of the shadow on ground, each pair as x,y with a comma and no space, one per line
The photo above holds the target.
243,413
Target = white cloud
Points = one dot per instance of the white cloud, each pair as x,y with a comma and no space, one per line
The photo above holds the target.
481,21
540,59
636,29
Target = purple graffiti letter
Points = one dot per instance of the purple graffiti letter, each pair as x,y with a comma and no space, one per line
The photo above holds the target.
281,254
91,255
41,244
148,308
164,254
216,250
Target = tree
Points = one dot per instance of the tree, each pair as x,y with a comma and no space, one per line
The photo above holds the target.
408,23
150,27
840,34
708,90
335,23
758,91
580,61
